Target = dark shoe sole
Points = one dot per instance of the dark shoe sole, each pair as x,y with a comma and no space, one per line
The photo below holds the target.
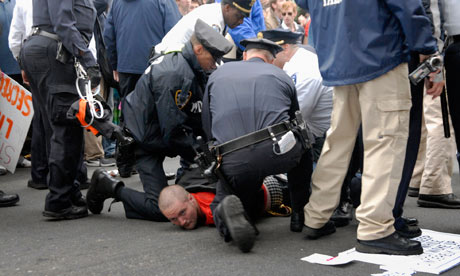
432,204
9,203
57,216
95,205
314,234
240,229
37,186
378,250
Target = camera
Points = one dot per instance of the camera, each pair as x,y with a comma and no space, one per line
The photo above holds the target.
430,65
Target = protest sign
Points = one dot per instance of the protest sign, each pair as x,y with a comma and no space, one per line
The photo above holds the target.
16,114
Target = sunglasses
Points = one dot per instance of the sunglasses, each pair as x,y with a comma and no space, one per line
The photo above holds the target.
287,13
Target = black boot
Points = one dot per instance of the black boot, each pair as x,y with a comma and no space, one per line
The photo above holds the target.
102,186
342,214
231,211
393,244
297,221
8,199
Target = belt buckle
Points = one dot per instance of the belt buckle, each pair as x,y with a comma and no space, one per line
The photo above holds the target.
35,31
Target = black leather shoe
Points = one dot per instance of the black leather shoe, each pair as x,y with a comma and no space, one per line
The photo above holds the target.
439,201
79,201
38,186
8,199
73,212
394,244
409,231
297,221
410,221
342,214
102,187
413,192
231,211
327,229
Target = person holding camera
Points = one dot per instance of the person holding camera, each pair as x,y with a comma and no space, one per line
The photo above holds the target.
368,69
61,34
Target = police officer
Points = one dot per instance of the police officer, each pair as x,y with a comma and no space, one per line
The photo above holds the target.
62,31
218,15
164,114
247,115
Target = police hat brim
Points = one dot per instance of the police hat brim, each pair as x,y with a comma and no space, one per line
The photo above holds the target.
212,41
262,44
282,36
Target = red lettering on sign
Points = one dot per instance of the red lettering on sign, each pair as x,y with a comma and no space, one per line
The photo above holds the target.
21,100
27,101
14,87
10,126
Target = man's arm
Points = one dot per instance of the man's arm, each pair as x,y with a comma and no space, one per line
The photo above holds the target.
110,41
206,119
63,20
171,15
17,31
415,25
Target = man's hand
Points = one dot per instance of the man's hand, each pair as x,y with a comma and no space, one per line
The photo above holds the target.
115,76
434,88
94,75
25,80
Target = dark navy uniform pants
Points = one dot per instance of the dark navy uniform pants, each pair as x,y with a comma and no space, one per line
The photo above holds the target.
413,143
246,169
452,64
50,81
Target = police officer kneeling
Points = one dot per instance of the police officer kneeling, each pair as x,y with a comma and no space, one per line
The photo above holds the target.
249,110
163,114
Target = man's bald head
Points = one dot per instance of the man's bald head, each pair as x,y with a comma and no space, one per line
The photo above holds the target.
179,206
170,194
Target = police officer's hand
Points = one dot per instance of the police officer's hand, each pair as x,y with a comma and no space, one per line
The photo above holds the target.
94,75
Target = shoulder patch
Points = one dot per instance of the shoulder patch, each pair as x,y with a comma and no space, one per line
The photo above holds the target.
294,78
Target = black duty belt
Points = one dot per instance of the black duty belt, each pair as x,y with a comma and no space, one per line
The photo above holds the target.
252,138
38,31
456,38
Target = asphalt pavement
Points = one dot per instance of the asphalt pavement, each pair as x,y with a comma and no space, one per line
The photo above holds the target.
110,244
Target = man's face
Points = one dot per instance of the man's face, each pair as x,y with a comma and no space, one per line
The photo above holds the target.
288,16
277,7
183,214
232,16
184,6
281,58
205,59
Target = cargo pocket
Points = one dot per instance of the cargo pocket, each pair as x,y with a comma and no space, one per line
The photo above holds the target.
58,106
394,117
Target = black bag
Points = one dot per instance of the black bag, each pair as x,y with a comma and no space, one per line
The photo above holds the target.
102,59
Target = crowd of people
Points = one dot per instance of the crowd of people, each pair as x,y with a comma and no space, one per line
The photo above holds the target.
274,107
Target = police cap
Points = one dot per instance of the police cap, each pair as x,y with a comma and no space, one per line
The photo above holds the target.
261,43
212,40
244,6
280,36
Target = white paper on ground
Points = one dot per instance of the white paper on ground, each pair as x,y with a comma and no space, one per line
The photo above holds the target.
326,260
441,253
